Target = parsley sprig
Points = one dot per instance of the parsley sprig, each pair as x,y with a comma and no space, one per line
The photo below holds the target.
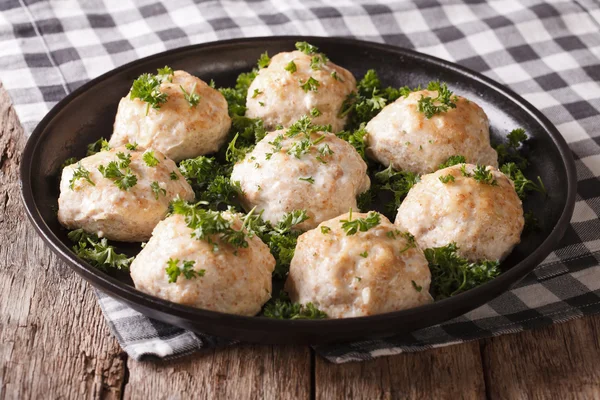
150,159
98,252
173,270
147,88
283,308
191,97
352,226
80,173
452,274
124,180
368,101
208,224
444,101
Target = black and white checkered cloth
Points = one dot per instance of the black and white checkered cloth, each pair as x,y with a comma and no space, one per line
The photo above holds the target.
547,51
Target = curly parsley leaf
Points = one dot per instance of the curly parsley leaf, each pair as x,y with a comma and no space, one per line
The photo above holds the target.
523,186
357,139
352,226
173,270
283,308
191,97
310,85
208,224
451,274
236,97
509,152
306,48
452,160
68,161
124,180
264,60
150,159
165,73
446,178
98,252
97,146
444,101
291,67
80,173
157,190
147,88
398,183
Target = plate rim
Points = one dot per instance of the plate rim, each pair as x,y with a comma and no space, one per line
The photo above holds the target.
130,294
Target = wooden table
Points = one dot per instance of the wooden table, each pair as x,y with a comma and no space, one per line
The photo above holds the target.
54,342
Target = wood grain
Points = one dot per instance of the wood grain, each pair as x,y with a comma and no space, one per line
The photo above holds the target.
558,362
53,340
241,372
447,373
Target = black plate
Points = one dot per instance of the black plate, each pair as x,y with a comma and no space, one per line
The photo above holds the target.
88,113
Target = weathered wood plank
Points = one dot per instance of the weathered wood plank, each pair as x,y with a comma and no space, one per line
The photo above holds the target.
239,372
453,372
53,340
557,362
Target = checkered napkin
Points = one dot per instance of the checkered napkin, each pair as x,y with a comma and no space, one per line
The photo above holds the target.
547,51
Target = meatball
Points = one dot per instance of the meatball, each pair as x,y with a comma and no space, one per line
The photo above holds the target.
277,96
229,279
317,172
402,136
129,214
177,129
485,220
373,272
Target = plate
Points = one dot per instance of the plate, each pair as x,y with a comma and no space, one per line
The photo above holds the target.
89,112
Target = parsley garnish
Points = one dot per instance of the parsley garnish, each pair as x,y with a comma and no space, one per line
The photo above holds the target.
157,190
442,103
187,270
150,159
68,161
317,61
256,93
309,179
351,226
452,160
417,287
357,139
364,254
173,175
396,182
264,60
131,146
164,74
368,101
311,84
192,97
306,48
97,146
97,251
335,76
325,229
291,67
452,274
283,308
446,178
315,112
80,173
522,185
113,172
510,152
147,89
205,224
